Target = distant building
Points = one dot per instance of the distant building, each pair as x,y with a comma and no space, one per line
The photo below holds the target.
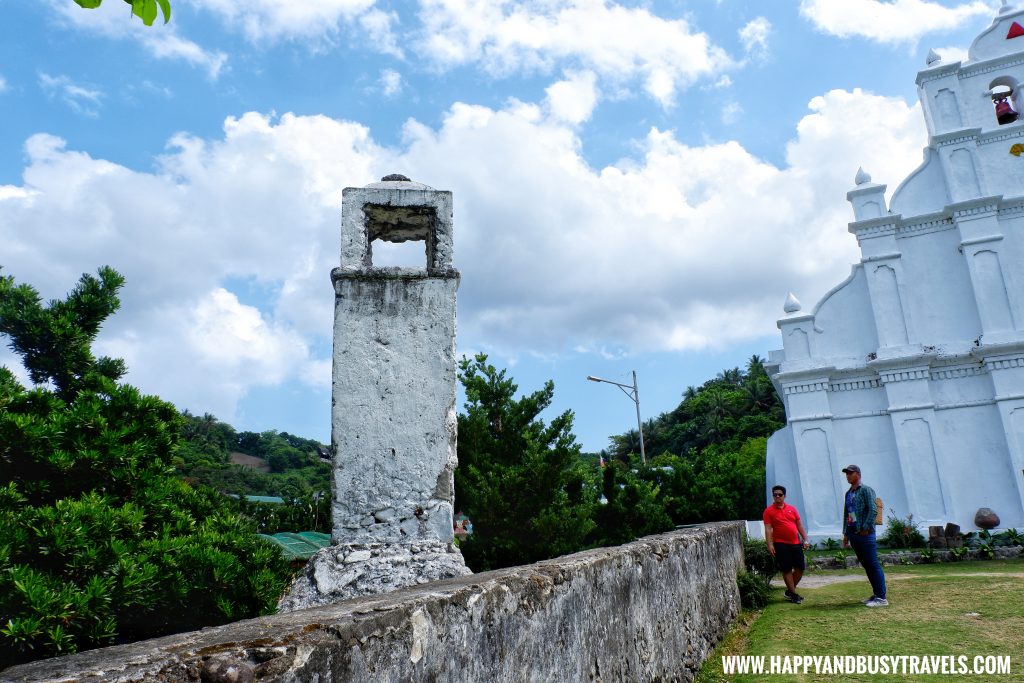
913,367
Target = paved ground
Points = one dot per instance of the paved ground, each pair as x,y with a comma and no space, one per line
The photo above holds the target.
817,580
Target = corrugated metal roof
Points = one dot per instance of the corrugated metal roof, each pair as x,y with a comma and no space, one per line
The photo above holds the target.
299,546
259,499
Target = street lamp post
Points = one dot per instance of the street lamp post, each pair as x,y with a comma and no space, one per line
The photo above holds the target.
634,395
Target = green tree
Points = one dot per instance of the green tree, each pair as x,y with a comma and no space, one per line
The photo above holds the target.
714,442
631,506
143,9
100,541
520,480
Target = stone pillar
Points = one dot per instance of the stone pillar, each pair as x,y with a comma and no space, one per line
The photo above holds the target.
393,413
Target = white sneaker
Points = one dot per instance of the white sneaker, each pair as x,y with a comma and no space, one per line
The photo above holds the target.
877,602
867,600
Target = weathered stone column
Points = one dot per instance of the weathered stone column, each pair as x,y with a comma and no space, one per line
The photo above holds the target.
393,415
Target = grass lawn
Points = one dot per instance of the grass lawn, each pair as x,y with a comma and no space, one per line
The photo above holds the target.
960,608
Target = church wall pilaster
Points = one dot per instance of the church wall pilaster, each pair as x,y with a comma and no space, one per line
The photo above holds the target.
920,453
1007,373
982,246
810,419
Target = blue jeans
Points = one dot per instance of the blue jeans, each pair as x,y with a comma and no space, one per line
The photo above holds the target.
866,550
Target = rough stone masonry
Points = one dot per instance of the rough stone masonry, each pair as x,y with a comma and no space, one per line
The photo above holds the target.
650,610
393,416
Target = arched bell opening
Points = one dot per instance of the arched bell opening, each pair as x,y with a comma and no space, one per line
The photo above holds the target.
1003,92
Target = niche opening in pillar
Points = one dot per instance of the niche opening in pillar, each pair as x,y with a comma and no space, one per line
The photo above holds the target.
401,236
411,254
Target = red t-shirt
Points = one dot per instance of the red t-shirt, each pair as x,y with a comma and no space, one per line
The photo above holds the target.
783,523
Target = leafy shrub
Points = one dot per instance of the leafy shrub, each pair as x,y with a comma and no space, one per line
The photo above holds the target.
1010,537
757,559
840,558
831,544
902,532
957,554
928,556
754,589
100,542
755,582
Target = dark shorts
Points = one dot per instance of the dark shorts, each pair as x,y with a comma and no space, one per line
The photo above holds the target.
789,556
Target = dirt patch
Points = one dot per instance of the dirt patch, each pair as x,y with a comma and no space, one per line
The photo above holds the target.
249,461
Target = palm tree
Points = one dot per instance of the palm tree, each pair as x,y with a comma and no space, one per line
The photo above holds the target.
732,376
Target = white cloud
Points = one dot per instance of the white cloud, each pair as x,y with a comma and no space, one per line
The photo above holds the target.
390,82
950,55
263,20
262,202
683,247
617,43
754,36
898,21
210,336
80,98
170,46
3,84
12,191
723,82
573,100
379,29
160,40
731,113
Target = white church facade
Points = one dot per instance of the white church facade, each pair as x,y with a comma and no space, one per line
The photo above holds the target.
913,367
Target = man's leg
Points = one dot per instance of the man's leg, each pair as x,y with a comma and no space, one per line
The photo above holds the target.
787,578
866,550
785,561
874,568
797,575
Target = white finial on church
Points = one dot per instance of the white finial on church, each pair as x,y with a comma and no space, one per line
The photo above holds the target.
932,57
1005,8
792,305
862,177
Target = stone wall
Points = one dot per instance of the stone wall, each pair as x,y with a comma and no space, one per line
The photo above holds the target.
650,610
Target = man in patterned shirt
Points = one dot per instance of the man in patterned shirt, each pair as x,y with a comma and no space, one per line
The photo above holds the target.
859,533
783,530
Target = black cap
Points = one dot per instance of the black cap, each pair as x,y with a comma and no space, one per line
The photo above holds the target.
851,468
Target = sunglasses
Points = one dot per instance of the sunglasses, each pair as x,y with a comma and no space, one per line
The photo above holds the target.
778,495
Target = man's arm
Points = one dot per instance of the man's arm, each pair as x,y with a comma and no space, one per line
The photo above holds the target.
802,531
768,538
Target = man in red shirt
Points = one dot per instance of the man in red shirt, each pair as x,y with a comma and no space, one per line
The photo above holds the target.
783,530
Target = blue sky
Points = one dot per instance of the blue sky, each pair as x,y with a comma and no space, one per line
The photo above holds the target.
637,185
